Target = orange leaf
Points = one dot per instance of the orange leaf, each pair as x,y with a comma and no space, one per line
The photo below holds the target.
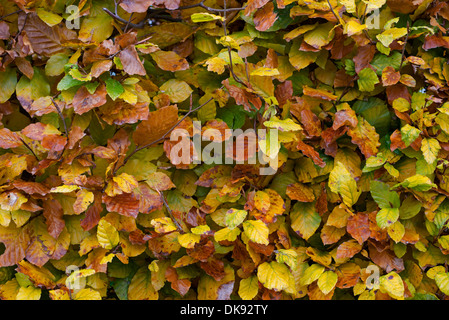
265,17
159,122
170,61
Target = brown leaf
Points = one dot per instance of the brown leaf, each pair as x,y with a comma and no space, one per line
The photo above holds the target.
348,275
390,76
181,286
365,136
126,204
31,187
83,101
243,97
9,139
397,91
202,250
283,92
300,192
318,93
135,5
53,214
99,67
253,5
214,267
348,249
329,140
265,17
131,61
385,258
149,200
45,40
121,112
363,57
159,122
75,135
311,123
92,214
16,241
358,227
24,66
4,30
345,117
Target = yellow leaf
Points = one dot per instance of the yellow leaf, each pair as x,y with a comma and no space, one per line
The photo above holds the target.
257,231
396,231
199,230
29,293
341,182
216,64
163,225
327,281
430,148
311,274
287,256
64,189
177,90
352,27
87,294
141,287
264,71
392,284
108,258
227,234
107,235
188,240
282,125
248,288
274,275
234,217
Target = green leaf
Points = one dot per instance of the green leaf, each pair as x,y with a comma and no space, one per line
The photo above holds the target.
114,88
386,217
417,182
367,80
409,134
388,36
305,219
381,193
8,79
234,217
442,281
68,82
205,17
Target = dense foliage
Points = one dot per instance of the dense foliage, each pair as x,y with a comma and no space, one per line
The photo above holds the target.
94,205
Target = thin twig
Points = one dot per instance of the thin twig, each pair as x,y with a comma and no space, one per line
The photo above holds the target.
332,9
163,136
202,5
178,226
405,44
61,116
154,13
10,14
29,148
231,65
